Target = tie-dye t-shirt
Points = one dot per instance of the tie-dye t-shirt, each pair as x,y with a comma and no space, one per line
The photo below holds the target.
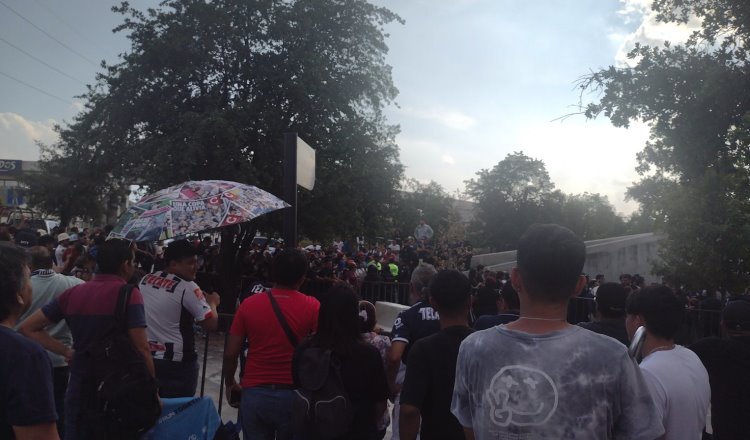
569,384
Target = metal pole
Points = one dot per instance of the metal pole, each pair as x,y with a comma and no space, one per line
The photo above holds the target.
205,361
290,189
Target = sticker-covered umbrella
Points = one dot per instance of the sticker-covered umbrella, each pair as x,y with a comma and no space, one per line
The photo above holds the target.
192,207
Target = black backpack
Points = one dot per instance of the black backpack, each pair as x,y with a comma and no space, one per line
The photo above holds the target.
321,407
119,396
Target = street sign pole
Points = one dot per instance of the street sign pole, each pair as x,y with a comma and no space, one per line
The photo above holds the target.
290,190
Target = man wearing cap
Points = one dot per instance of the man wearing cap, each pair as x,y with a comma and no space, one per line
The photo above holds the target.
610,312
173,302
63,241
727,361
25,236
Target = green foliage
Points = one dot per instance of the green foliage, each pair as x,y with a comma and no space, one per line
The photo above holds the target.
70,183
208,88
695,166
518,192
422,201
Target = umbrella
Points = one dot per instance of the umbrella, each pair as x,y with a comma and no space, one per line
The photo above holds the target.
194,206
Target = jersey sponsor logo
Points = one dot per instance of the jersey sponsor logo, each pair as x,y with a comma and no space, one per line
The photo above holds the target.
156,346
160,283
258,288
199,294
397,323
521,396
429,314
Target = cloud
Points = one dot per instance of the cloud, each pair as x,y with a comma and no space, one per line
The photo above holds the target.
448,118
650,31
588,156
18,136
446,158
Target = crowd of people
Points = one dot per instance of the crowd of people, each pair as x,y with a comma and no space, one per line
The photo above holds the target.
484,356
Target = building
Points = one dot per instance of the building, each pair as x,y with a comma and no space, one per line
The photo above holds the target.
12,192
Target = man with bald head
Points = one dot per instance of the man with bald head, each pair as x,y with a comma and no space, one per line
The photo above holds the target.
46,286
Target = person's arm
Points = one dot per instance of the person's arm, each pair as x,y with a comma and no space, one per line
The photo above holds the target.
211,323
140,341
34,328
231,355
43,431
468,433
409,419
393,363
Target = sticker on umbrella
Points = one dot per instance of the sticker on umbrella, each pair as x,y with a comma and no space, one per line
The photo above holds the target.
194,207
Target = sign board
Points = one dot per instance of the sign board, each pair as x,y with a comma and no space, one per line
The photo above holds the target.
10,167
305,165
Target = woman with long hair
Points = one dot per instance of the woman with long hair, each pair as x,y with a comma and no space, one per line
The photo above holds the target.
361,367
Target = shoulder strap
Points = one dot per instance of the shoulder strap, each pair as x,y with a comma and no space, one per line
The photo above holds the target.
121,311
289,333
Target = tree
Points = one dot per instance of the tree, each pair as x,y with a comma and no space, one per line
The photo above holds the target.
514,194
696,164
208,88
72,185
591,216
422,201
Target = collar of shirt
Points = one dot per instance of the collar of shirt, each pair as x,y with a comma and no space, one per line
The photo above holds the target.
43,273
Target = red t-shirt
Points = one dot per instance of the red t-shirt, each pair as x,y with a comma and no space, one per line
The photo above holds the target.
269,358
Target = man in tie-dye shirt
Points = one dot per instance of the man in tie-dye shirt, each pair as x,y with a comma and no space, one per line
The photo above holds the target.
542,378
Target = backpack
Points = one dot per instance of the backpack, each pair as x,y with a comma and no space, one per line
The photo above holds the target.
119,395
320,406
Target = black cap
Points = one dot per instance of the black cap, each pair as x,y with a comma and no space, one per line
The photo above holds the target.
611,298
736,315
179,249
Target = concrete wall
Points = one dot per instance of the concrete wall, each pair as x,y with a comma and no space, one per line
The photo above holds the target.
609,256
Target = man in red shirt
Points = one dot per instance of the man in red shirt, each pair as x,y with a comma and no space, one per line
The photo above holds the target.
266,385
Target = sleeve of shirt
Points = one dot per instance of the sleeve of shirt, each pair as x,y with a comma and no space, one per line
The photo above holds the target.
639,417
416,384
136,312
238,323
400,328
54,310
461,403
195,303
29,399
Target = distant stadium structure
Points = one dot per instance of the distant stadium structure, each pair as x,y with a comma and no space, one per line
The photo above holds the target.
610,257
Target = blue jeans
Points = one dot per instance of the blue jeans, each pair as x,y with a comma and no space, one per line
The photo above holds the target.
266,414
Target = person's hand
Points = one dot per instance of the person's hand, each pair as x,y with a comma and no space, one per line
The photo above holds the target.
234,392
213,299
68,355
394,389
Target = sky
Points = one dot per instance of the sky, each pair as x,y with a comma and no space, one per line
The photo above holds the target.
478,79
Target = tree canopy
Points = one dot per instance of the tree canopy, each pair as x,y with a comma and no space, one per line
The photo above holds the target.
208,88
518,192
695,167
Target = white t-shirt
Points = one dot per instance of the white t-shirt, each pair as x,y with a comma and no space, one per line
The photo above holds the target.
172,305
679,386
571,383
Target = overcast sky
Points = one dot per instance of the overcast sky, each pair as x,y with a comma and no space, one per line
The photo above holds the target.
478,79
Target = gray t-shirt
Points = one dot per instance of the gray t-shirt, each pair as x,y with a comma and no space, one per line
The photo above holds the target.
569,384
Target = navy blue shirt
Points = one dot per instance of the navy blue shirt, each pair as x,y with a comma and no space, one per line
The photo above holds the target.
415,323
26,396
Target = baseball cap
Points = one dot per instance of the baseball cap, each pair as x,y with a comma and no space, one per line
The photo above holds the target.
63,236
178,250
611,298
736,315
